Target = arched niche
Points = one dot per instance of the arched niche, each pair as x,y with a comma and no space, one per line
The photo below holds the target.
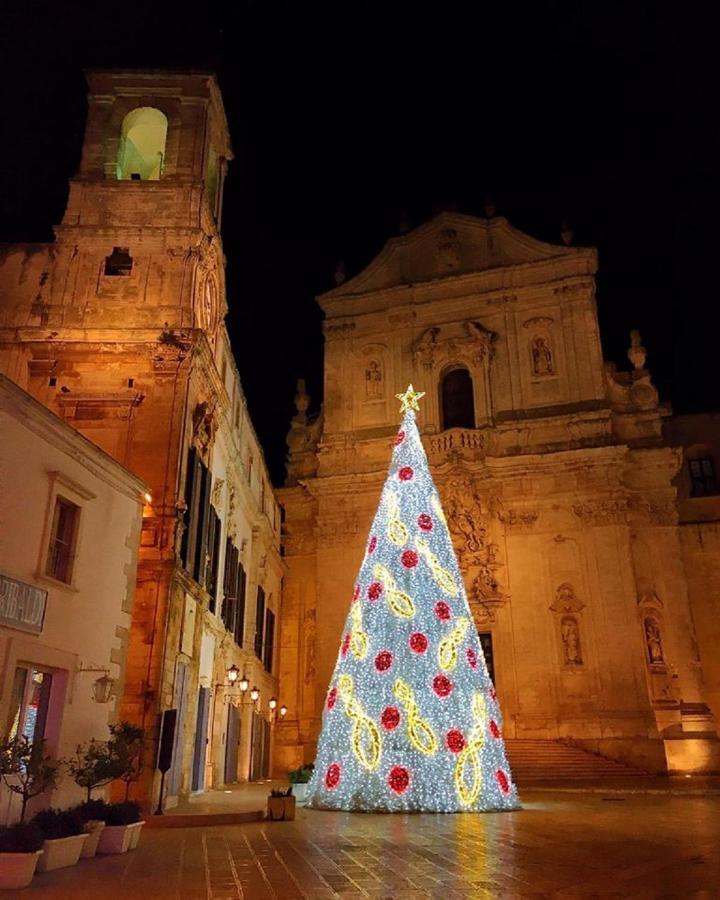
456,398
141,151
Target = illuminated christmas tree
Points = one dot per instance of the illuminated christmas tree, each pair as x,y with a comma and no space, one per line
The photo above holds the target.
411,720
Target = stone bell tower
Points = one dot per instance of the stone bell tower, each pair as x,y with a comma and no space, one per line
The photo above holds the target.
117,326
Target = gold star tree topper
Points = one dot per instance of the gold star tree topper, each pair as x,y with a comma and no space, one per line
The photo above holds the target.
409,400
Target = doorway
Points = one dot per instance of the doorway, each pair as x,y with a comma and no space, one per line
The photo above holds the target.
201,740
180,704
232,739
486,643
260,752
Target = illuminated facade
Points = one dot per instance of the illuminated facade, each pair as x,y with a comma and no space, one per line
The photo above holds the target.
558,486
118,327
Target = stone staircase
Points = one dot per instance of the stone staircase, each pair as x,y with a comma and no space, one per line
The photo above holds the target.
539,760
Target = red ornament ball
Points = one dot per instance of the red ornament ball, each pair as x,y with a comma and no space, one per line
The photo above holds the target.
471,657
442,685
425,522
399,438
442,611
494,730
383,660
390,718
455,740
418,642
409,559
372,545
406,473
356,592
345,646
493,695
399,779
332,776
331,698
502,780
374,591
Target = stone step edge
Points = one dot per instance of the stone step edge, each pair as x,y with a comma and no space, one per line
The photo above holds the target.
201,820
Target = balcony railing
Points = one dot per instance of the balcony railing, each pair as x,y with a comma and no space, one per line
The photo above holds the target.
455,444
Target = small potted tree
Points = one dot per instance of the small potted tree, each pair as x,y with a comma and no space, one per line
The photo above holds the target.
299,779
26,770
20,849
281,806
122,825
64,833
128,743
94,765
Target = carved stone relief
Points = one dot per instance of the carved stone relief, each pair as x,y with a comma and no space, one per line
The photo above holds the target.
436,345
203,420
566,600
448,249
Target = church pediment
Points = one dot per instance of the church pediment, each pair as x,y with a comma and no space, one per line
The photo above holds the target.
451,244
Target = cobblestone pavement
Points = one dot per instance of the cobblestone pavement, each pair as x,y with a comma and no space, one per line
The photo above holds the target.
558,846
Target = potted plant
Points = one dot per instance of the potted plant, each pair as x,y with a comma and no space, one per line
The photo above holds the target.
281,805
127,743
122,828
64,838
20,849
93,814
299,779
94,765
26,770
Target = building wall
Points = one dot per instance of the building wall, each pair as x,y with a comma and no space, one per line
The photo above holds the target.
141,365
86,623
560,499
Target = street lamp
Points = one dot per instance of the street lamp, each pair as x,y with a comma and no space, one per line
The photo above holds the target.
272,703
232,674
244,684
283,711
254,694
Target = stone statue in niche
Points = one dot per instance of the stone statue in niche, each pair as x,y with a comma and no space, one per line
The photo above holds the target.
542,357
449,249
653,640
373,380
637,354
203,425
570,633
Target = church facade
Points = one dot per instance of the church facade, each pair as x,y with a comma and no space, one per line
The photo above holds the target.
559,485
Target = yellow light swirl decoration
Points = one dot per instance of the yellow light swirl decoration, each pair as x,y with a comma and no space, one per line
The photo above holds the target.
449,645
443,578
420,734
401,604
365,737
358,637
396,530
439,511
468,762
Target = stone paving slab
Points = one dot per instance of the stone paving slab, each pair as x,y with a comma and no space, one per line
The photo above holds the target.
558,846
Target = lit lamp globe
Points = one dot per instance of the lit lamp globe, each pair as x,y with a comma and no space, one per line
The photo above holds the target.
283,711
272,703
254,694
244,684
233,673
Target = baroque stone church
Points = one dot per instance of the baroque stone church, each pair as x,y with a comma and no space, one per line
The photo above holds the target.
559,482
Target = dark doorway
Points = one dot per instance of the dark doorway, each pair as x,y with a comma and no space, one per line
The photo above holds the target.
180,703
260,757
487,649
456,400
232,739
201,739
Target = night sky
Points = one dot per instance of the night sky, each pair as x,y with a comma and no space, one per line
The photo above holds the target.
346,116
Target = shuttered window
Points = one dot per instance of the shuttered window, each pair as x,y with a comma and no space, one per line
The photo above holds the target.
259,622
269,640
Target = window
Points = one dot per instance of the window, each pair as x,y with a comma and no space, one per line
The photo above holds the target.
141,155
269,640
195,548
702,477
29,702
61,552
119,263
456,399
214,528
233,610
259,622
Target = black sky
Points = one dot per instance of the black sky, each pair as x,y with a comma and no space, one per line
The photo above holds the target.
345,115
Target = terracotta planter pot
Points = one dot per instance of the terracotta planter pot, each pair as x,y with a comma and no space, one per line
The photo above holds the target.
61,852
135,830
17,869
281,809
94,829
115,839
